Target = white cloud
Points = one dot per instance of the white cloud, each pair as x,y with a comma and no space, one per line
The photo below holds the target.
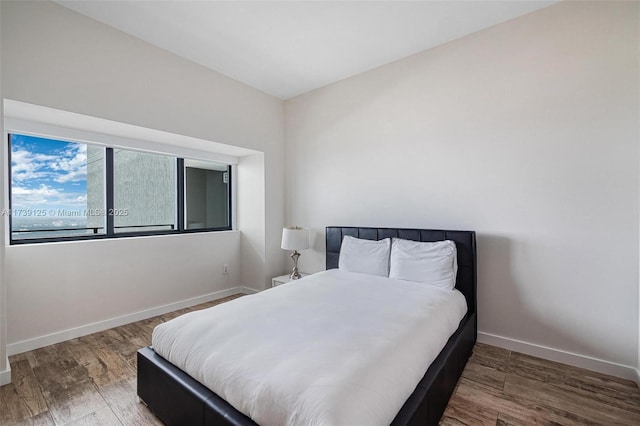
26,165
72,165
45,195
68,166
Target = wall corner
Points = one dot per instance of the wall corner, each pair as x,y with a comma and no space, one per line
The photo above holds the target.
5,375
5,369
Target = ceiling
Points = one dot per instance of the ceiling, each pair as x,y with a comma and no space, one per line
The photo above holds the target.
286,48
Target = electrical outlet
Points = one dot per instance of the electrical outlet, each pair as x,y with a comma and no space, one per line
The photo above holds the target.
225,269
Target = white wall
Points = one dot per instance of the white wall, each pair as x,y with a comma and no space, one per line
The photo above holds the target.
54,57
5,374
56,287
637,378
526,132
251,218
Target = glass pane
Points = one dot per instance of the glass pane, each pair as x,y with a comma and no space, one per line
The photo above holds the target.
51,183
144,191
206,195
96,213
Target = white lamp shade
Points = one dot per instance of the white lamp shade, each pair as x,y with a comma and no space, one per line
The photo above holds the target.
295,238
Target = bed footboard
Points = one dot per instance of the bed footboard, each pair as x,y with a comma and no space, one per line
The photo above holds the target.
177,399
428,402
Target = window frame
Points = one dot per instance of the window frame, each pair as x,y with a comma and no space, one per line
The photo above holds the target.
109,198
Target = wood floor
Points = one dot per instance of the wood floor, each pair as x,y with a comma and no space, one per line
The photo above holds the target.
91,381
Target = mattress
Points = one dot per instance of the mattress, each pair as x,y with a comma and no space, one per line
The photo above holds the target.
333,348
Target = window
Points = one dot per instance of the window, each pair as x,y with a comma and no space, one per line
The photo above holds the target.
51,182
207,189
62,190
144,191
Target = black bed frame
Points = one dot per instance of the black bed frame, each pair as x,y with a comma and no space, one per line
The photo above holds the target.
178,399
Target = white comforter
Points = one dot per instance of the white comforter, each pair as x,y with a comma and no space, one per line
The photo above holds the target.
334,348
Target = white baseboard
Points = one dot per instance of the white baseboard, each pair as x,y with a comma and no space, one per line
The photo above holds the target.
637,379
557,355
5,375
72,333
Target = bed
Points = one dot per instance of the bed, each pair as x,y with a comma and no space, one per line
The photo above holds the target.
177,398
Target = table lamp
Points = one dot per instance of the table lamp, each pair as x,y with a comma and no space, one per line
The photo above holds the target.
295,238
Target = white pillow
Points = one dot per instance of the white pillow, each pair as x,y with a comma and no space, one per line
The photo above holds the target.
365,256
430,263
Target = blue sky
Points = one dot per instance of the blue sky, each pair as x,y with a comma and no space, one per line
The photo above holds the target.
48,174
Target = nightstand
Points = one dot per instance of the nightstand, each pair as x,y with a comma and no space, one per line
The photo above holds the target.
282,279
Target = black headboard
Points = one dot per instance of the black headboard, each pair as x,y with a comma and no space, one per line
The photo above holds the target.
465,245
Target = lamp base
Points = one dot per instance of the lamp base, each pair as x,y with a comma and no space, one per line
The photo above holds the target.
295,275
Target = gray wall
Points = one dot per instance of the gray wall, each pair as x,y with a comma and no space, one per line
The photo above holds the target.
206,195
196,202
217,211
